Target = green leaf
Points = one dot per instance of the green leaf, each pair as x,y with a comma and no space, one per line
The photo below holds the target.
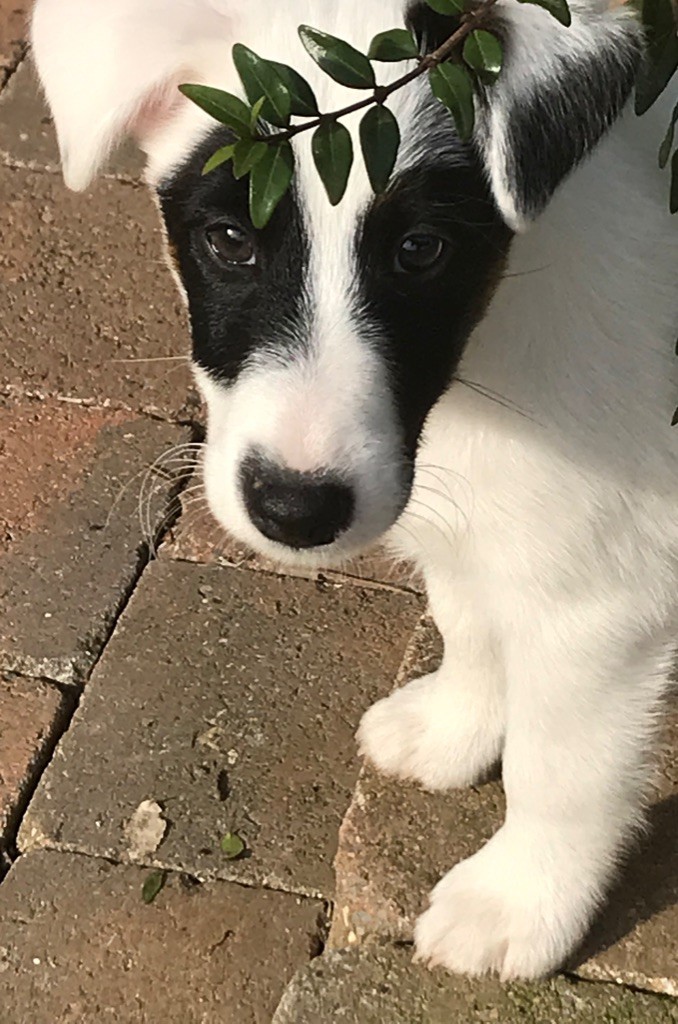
452,85
304,103
451,7
667,144
222,106
269,181
256,113
338,59
333,155
260,78
484,53
661,56
396,44
220,157
154,884
380,141
673,202
247,154
232,846
558,8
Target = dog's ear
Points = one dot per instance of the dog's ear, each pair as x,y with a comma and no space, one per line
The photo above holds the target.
110,68
559,91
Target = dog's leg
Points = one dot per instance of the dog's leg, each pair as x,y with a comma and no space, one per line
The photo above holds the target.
446,729
584,689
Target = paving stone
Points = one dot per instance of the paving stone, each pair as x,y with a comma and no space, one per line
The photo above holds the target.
27,137
30,714
199,538
78,944
382,986
71,540
397,841
87,301
231,698
13,20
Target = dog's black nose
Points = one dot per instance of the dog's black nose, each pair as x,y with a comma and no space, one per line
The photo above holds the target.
300,510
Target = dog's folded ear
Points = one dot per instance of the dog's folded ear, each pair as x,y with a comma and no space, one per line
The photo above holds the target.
110,68
559,90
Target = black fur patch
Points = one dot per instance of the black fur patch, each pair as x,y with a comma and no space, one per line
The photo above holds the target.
558,125
233,310
420,323
425,320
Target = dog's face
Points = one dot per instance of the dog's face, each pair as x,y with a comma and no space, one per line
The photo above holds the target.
322,342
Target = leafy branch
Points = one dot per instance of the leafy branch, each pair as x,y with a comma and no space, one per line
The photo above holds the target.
470,59
471,56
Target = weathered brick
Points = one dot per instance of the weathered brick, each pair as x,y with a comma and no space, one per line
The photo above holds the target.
71,539
77,943
397,841
382,985
30,715
231,698
88,306
13,25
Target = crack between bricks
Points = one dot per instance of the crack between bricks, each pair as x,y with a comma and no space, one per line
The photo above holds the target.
72,692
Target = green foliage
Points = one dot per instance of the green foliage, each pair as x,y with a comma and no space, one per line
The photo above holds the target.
453,86
222,106
484,54
302,97
338,59
153,886
260,79
270,179
232,846
471,59
333,155
221,156
398,44
451,7
380,142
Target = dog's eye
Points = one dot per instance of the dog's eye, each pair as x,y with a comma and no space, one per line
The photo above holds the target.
229,243
418,253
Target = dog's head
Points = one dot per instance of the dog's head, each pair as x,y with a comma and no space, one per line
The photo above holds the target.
322,342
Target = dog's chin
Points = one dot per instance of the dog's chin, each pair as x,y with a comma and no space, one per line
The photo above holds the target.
327,556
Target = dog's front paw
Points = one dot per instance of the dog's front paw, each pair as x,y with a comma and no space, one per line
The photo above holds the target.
431,733
492,914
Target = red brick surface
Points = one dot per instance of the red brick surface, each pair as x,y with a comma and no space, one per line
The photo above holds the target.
29,713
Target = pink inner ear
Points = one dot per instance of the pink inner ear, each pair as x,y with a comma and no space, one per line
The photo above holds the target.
157,108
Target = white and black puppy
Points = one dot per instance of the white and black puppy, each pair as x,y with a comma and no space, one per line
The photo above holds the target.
537,265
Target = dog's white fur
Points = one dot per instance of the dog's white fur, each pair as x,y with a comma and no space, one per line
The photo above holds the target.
548,536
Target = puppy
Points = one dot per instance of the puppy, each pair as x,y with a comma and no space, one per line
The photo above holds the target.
477,366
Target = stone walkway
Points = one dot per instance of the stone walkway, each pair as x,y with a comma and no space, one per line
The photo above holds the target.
145,662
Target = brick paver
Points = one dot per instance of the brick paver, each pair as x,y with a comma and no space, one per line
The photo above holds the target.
79,946
384,987
397,841
232,699
13,19
31,713
71,539
87,301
